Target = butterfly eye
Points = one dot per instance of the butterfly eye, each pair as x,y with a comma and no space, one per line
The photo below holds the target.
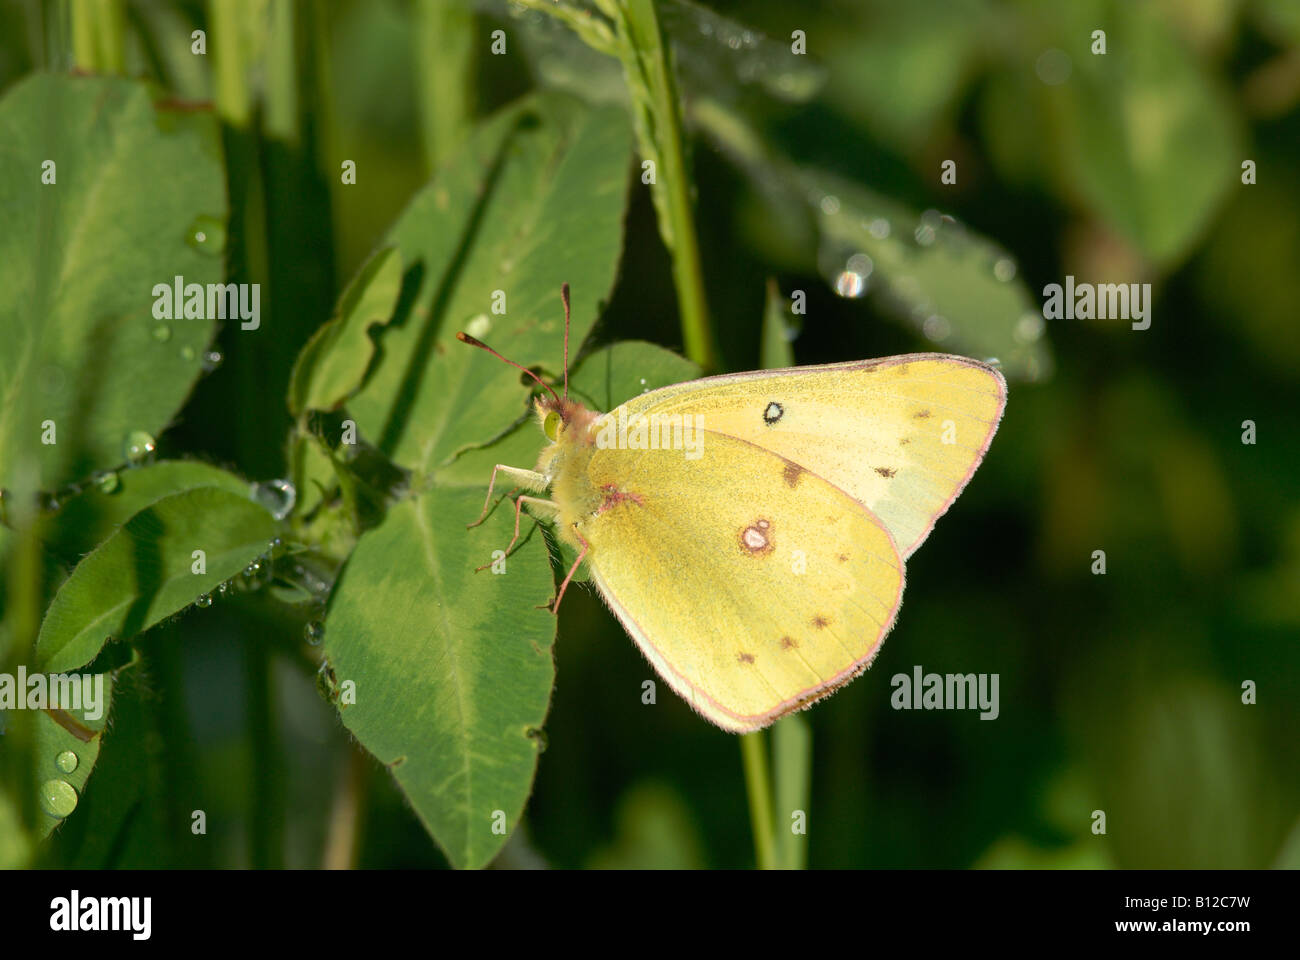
551,425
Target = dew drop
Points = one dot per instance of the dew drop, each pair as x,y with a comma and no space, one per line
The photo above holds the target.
879,228
66,761
850,284
204,600
927,231
936,327
277,496
1005,269
1029,328
479,326
257,574
162,333
48,503
107,481
138,447
314,633
538,736
830,205
211,360
187,353
58,799
207,235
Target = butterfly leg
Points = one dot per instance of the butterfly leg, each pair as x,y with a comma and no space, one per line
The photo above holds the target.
528,479
555,604
546,507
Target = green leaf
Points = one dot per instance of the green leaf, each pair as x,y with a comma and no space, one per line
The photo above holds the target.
88,519
775,350
534,199
79,259
617,373
452,668
1147,137
957,288
333,363
144,572
72,735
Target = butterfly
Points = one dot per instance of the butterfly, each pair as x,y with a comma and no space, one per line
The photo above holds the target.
750,530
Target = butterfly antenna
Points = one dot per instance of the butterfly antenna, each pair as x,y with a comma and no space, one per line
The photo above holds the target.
564,295
474,342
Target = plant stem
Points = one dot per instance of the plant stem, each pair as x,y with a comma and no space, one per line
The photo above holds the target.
444,36
343,840
792,762
754,754
647,66
99,36
233,97
280,116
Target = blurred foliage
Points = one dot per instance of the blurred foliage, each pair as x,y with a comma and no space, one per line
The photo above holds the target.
1120,693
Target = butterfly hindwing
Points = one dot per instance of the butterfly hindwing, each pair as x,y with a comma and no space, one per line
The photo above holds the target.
752,584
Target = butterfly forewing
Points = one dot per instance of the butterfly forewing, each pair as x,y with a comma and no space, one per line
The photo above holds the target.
901,435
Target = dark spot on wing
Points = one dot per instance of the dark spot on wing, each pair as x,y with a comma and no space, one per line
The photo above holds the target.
792,473
755,538
788,643
820,622
743,657
773,412
844,558
886,472
904,441
920,414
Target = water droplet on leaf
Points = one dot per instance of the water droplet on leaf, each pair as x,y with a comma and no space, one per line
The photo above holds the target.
58,799
107,481
314,633
207,235
277,496
66,761
138,447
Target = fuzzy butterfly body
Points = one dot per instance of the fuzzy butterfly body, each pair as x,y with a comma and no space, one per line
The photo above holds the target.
752,541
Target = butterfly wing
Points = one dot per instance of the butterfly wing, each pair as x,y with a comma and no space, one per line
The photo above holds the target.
752,585
902,435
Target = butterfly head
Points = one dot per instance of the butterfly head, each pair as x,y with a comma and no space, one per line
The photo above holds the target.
562,418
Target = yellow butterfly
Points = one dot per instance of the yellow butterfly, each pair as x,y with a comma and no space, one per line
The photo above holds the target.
750,530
